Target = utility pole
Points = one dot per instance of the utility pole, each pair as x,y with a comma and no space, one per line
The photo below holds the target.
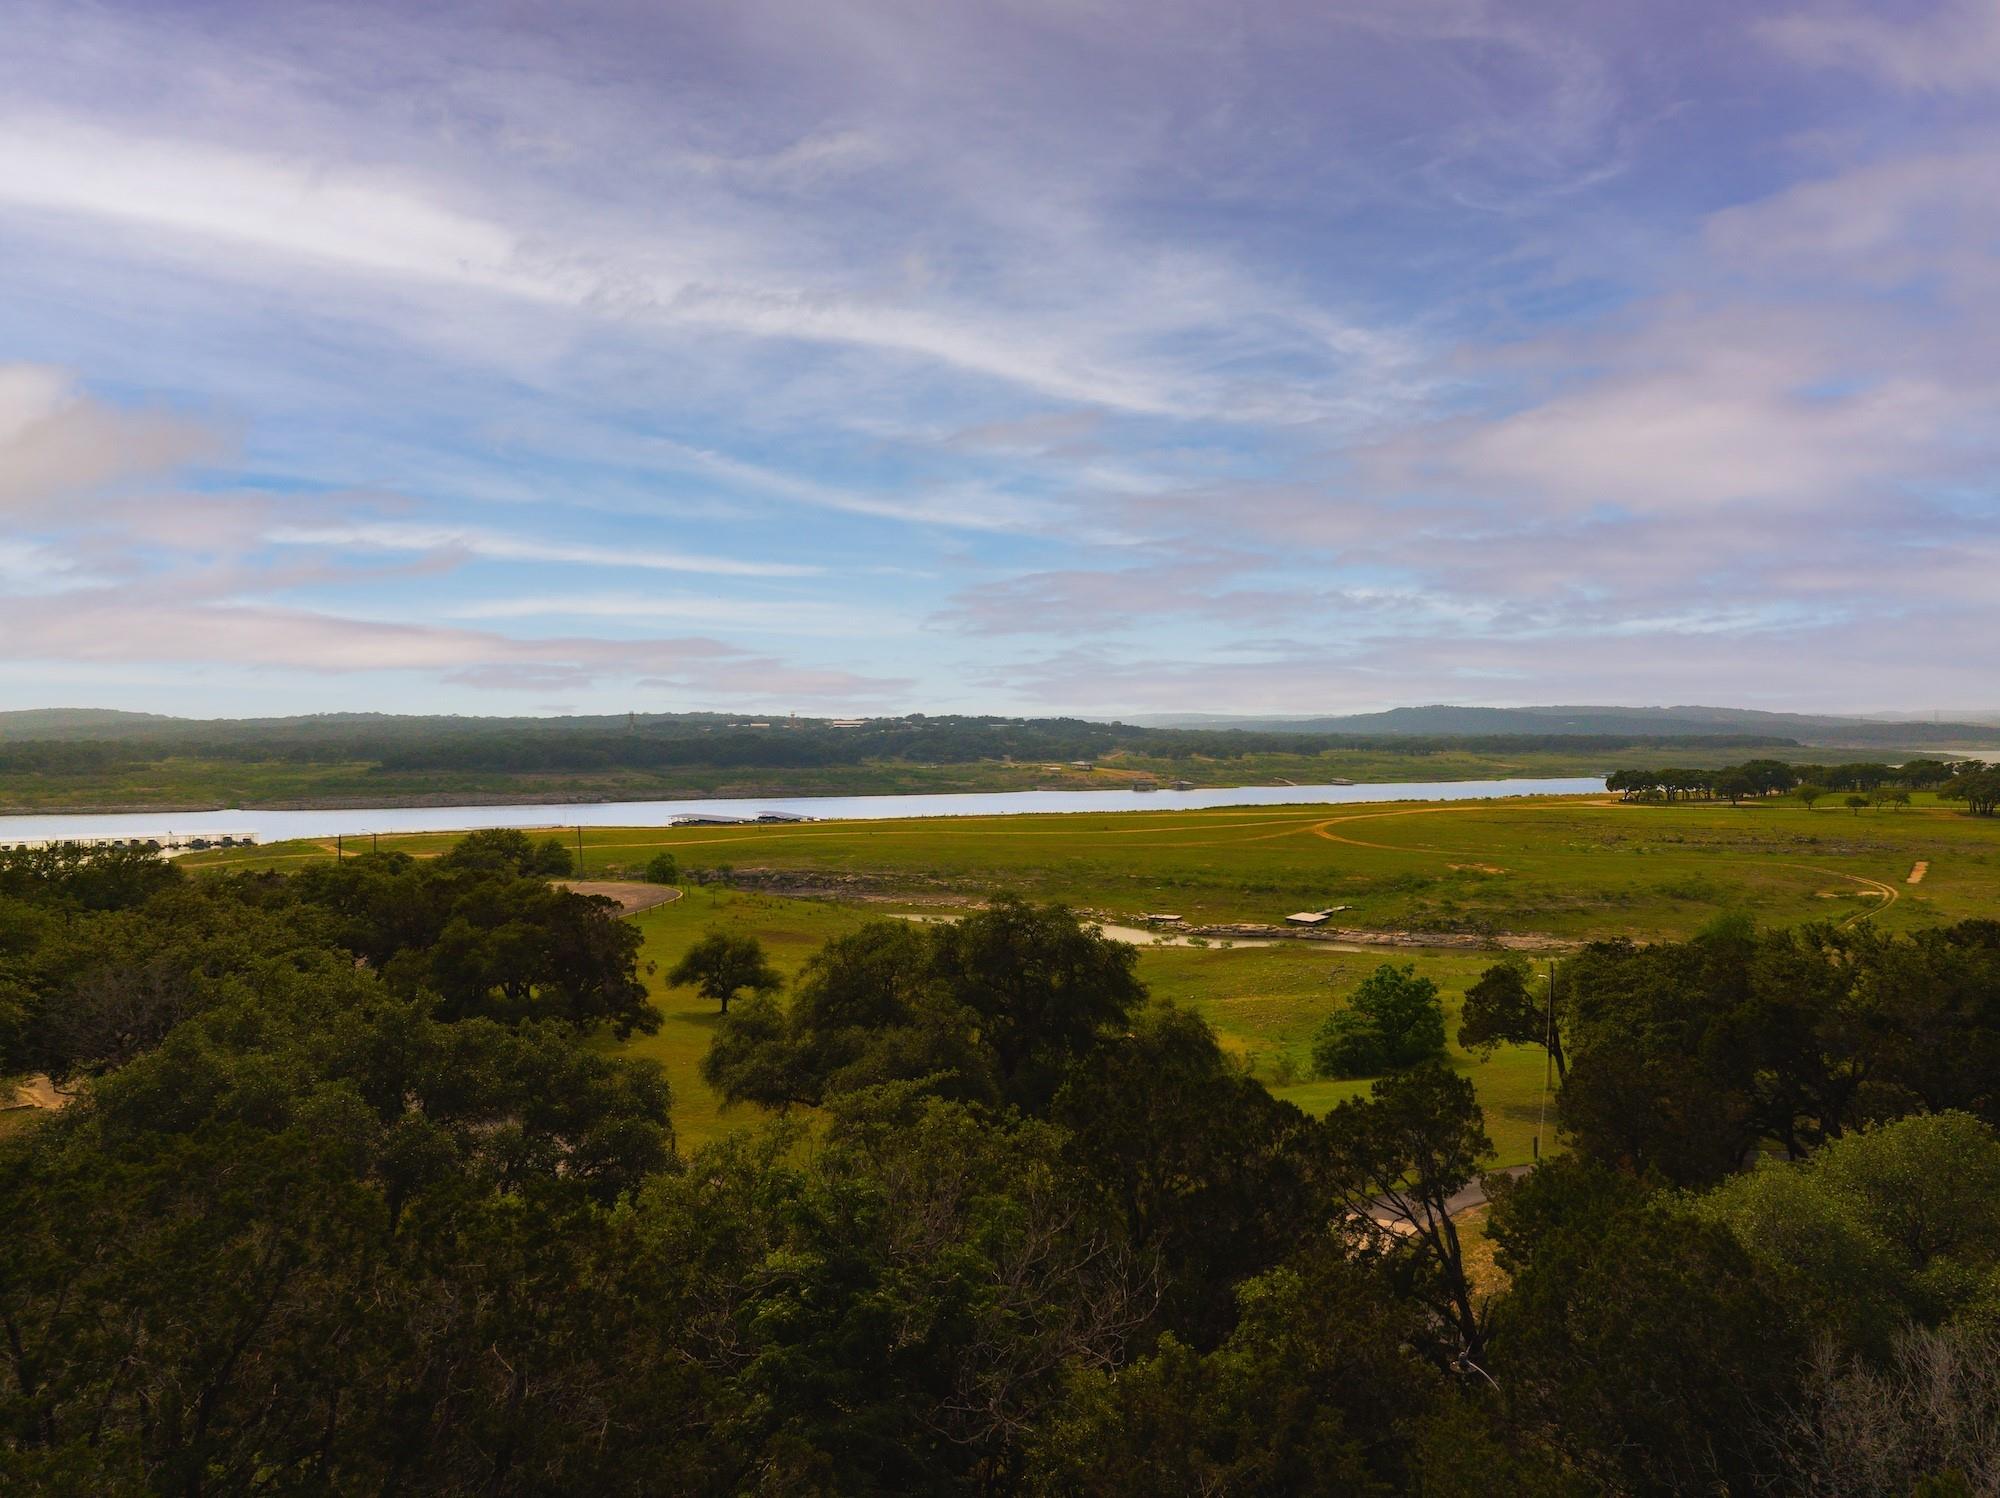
339,853
579,850
1548,1060
374,842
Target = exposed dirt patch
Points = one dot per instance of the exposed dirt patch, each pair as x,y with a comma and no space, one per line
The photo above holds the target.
1487,1277
1917,872
37,1092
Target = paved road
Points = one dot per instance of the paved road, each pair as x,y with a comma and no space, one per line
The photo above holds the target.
1471,1194
631,895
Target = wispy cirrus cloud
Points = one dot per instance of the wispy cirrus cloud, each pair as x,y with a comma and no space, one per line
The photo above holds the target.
155,625
788,616
463,541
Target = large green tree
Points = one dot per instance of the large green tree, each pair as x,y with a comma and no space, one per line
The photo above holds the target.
723,964
520,948
1637,1339
1892,1224
1398,1160
1209,1174
1392,1019
1502,1008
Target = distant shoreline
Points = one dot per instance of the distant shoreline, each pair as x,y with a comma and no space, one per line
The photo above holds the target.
270,824
535,795
444,800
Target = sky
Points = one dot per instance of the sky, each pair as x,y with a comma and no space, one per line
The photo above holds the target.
1075,356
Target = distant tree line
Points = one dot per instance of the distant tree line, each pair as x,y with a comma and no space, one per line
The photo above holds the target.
939,741
661,742
1966,779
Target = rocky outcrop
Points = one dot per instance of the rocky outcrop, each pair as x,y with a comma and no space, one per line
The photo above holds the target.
1354,936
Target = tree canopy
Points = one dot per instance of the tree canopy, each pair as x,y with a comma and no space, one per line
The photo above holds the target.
352,1198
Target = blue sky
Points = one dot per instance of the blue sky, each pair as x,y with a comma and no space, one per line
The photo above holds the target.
1078,357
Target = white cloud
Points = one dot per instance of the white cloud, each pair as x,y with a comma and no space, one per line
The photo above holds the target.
292,208
1078,293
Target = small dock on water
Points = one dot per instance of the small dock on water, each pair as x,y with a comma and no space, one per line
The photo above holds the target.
1315,917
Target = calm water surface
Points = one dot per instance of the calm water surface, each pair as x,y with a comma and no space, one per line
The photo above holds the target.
275,826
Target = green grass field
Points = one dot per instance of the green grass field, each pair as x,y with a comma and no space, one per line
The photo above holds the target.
1575,868
1578,869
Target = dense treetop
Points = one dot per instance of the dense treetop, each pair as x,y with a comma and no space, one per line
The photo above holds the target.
352,1198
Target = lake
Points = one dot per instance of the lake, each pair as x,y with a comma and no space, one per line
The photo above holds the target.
276,826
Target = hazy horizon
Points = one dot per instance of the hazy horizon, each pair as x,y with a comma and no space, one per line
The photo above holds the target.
1020,359
1972,717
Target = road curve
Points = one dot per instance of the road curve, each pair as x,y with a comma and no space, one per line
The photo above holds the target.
632,895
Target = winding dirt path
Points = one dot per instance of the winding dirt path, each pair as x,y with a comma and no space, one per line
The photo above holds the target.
1889,893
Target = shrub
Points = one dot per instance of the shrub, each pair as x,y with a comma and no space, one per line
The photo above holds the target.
1349,1044
663,868
506,850
1393,1020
